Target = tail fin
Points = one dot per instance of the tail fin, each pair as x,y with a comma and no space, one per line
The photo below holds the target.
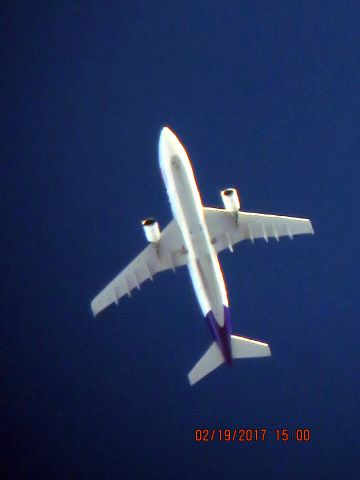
211,359
242,347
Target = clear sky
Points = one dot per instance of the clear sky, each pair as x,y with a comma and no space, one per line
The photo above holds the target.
265,97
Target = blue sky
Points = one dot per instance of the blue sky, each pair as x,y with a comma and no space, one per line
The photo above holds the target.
265,97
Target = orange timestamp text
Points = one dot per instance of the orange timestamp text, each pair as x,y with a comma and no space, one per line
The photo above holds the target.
249,435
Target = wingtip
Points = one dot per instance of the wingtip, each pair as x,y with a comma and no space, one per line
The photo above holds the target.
93,309
311,230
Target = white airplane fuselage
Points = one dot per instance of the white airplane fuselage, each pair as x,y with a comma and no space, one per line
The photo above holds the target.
203,265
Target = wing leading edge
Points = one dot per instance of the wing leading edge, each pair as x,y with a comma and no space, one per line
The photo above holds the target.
228,228
166,254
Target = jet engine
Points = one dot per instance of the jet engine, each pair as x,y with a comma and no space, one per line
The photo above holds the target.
151,229
231,199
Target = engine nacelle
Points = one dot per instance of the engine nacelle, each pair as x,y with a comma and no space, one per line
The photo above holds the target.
151,229
231,199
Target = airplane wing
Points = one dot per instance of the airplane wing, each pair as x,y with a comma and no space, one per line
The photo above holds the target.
168,253
228,228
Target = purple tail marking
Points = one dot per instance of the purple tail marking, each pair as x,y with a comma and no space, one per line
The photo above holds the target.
222,334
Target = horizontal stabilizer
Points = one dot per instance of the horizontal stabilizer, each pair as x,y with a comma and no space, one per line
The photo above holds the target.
245,348
211,359
241,347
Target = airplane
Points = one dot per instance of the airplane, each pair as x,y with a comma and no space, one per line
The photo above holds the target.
194,238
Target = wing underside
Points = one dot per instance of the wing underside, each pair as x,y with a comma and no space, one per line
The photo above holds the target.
225,229
228,228
168,253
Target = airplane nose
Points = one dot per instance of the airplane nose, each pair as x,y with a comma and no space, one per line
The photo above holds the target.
169,140
170,146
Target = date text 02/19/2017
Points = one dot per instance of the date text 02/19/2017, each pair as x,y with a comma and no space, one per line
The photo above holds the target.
249,435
